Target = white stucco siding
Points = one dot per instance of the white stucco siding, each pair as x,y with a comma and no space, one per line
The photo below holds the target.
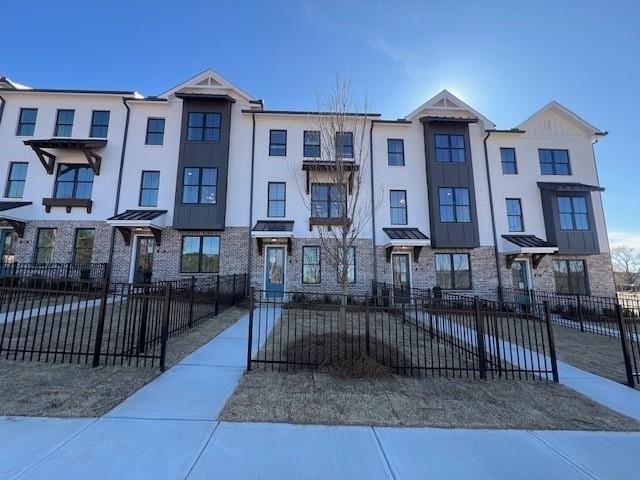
483,206
239,183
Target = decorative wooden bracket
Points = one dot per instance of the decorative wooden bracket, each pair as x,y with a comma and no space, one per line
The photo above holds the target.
387,253
126,234
416,253
93,159
536,258
260,242
157,234
510,259
48,159
17,225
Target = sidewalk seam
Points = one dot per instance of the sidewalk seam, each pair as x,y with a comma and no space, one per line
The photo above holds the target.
581,468
384,454
206,444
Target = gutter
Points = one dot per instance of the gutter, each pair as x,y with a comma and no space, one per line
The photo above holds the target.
253,151
373,207
493,215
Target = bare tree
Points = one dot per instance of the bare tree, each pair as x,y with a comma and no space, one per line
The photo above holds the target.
626,266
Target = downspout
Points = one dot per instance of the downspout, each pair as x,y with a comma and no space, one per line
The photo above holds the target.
2,102
253,151
493,216
373,207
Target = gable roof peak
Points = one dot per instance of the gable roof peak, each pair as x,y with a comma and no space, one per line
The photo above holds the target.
208,79
564,111
447,101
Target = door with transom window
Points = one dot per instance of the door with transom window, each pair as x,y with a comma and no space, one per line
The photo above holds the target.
401,269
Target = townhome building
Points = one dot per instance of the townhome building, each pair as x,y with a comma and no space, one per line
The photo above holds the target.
204,179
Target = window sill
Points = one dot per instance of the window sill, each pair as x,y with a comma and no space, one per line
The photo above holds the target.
68,203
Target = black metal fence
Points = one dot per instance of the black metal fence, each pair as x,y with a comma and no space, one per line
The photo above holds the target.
79,271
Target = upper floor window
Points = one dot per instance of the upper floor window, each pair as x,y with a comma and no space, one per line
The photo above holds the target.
455,205
200,254
155,131
453,271
554,162
328,200
149,187
311,265
200,185
311,147
449,148
83,245
99,124
351,264
64,123
203,127
73,181
344,144
570,276
44,245
398,202
508,158
514,215
277,143
395,152
573,213
277,199
27,122
16,179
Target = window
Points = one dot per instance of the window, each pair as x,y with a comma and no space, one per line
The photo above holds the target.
328,200
573,213
277,199
455,206
64,123
395,152
554,162
16,179
311,144
200,185
83,246
514,215
73,181
99,124
344,144
351,264
277,143
44,245
449,148
310,264
453,271
155,131
200,254
508,158
398,203
203,127
571,277
27,122
149,186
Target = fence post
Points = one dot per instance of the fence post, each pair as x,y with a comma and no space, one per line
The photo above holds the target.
366,324
191,297
234,290
482,358
164,335
250,329
625,346
97,348
217,295
552,342
579,305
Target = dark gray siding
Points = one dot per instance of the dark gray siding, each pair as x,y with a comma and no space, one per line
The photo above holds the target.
451,235
204,154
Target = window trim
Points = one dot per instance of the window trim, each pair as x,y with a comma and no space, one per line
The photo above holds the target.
58,124
573,213
21,123
305,144
204,127
201,240
452,271
454,205
75,244
147,132
93,124
553,161
76,168
567,262
449,148
142,188
9,181
328,200
392,208
37,248
272,144
389,140
284,201
515,161
304,247
342,156
199,186
521,216
355,278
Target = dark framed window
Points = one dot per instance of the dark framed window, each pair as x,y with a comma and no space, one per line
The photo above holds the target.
571,277
344,144
277,196
277,143
455,205
508,159
328,200
16,179
27,122
453,271
45,241
73,181
573,213
351,264
554,162
395,152
200,254
398,202
203,127
200,185
449,148
311,148
149,187
99,123
514,215
83,245
311,265
155,131
64,123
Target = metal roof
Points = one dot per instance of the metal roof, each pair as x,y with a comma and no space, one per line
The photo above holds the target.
528,241
405,234
569,187
130,215
67,143
273,226
4,206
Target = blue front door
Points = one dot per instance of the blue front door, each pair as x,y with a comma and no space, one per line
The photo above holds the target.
274,272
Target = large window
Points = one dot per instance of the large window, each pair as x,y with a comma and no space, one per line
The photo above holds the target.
16,179
455,205
64,123
277,143
508,159
73,181
99,123
200,254
311,147
554,162
149,187
514,215
398,202
310,264
328,200
571,276
203,127
573,213
155,131
344,144
449,148
44,245
453,271
395,152
200,185
83,245
351,264
277,199
27,122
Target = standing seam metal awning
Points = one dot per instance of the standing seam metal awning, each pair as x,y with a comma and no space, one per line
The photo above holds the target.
18,224
405,237
528,244
275,229
129,219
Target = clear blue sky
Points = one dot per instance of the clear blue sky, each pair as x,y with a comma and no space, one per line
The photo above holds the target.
506,59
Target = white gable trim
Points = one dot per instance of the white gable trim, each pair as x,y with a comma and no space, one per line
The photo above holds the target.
553,105
447,101
193,83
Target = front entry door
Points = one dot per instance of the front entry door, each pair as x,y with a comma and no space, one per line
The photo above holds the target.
8,240
274,272
142,270
520,275
401,277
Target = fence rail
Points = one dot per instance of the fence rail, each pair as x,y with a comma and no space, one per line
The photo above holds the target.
80,271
